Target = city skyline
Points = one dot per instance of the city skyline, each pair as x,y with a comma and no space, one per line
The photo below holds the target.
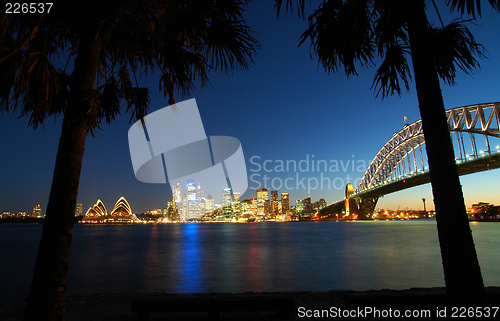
283,108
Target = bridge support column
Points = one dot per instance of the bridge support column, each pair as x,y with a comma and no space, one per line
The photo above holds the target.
349,189
366,207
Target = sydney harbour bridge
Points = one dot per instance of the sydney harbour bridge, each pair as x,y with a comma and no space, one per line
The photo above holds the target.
402,162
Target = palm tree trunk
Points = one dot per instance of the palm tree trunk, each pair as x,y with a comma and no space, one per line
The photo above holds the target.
462,273
47,296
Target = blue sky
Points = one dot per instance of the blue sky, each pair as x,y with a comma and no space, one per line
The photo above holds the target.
283,108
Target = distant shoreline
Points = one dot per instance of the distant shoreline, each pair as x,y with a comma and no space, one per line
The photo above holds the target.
33,220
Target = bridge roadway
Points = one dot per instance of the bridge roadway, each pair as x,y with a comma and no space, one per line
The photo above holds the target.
479,164
473,166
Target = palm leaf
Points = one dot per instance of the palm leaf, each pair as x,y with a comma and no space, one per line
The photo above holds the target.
455,46
471,6
300,5
340,34
393,68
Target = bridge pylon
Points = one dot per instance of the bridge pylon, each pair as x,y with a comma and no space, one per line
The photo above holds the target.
349,189
366,206
358,207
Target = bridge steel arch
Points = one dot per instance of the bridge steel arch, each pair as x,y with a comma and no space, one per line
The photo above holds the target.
407,143
400,163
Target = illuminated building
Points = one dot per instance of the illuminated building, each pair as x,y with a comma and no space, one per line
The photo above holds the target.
307,204
79,209
170,213
262,201
201,205
177,193
121,208
199,192
37,211
184,206
98,210
319,204
209,203
193,210
299,206
236,205
274,202
285,203
121,213
227,199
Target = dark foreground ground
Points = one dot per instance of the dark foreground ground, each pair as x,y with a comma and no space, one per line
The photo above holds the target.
426,304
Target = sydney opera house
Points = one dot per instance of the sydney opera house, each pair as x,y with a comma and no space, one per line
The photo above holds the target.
121,213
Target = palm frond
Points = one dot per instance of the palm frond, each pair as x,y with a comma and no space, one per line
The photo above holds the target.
455,46
300,5
471,6
138,105
340,34
389,25
229,44
393,68
183,39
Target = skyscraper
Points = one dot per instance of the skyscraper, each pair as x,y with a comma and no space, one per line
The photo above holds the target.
184,209
285,203
193,210
199,192
274,202
299,206
262,201
227,199
177,194
209,203
307,204
236,205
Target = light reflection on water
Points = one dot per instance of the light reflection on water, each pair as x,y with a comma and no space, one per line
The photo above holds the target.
305,256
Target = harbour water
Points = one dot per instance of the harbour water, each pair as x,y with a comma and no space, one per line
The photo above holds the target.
294,256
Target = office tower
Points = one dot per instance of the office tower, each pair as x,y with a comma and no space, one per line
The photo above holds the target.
199,192
183,209
285,203
193,210
177,193
299,206
177,197
236,205
209,203
307,204
227,199
262,201
171,212
274,202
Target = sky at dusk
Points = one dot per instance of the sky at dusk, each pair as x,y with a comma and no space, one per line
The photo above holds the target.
283,108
